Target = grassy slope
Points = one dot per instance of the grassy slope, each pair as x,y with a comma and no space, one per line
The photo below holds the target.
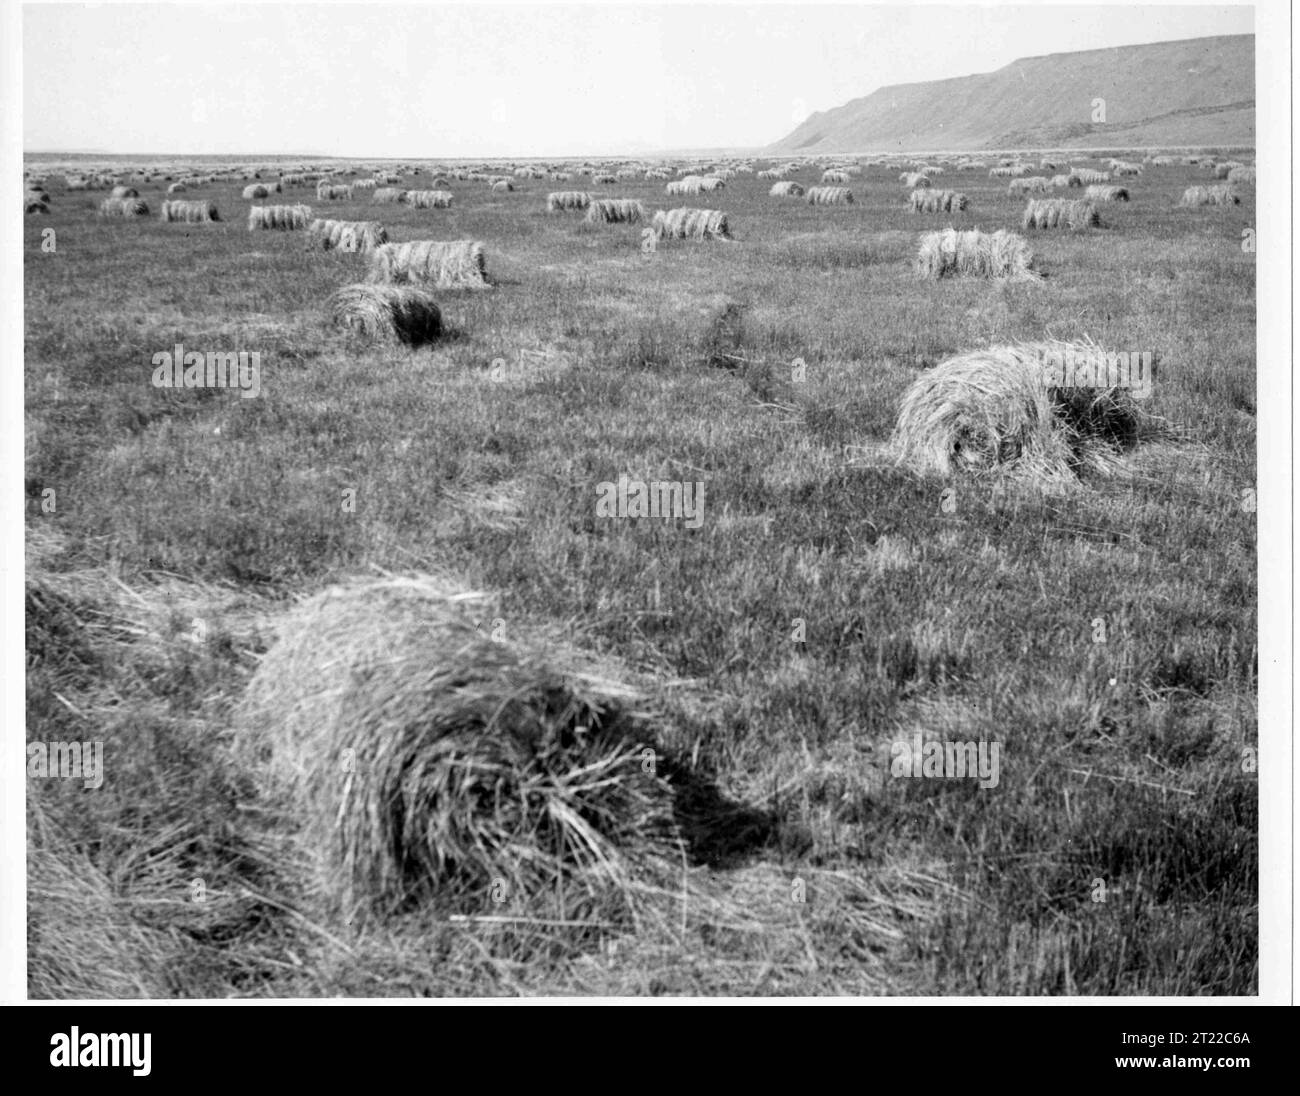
173,506
1195,92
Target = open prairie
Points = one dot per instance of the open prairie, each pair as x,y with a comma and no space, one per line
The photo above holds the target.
824,604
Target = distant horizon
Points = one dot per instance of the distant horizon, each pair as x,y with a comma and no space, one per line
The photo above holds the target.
625,80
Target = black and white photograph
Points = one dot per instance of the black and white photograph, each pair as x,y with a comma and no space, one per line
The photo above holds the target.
717,501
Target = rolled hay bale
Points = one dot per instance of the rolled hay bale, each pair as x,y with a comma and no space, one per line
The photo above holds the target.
189,212
1106,193
691,224
1029,184
387,313
35,201
1064,182
1072,213
993,410
363,184
429,199
1088,177
974,254
279,217
470,762
613,211
937,201
1162,161
177,188
456,264
1226,168
1244,176
691,184
387,195
124,207
835,175
1210,195
1009,171
605,179
559,200
915,180
829,195
359,236
332,192
261,190
124,192
1123,168
505,186
786,188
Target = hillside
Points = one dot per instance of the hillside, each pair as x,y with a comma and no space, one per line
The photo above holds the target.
1200,91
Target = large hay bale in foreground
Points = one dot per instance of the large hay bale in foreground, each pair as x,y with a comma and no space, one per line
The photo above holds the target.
937,201
429,199
1241,175
35,201
993,409
124,207
279,217
455,264
786,188
1071,213
359,236
559,200
191,212
428,762
691,224
1209,195
613,211
387,313
829,195
974,254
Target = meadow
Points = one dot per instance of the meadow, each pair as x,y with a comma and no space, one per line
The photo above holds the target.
829,603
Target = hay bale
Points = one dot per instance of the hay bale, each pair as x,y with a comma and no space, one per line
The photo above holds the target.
429,199
124,192
915,180
609,211
1123,168
1209,195
937,201
428,762
1029,184
1106,193
279,217
605,179
177,188
387,313
1009,171
36,201
360,236
560,200
1244,176
1226,168
363,184
387,195
787,188
1071,213
1064,182
123,207
834,175
691,224
829,195
332,192
189,212
988,410
261,190
457,264
974,254
1088,177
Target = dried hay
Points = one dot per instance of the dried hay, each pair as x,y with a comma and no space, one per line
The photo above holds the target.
829,195
993,410
123,207
261,190
915,179
937,201
834,175
124,192
1244,176
388,195
387,313
1029,184
35,201
332,192
426,762
610,211
502,186
359,236
1088,177
787,188
456,264
1062,182
974,254
189,212
279,217
691,224
1209,195
1071,213
429,199
1106,193
559,200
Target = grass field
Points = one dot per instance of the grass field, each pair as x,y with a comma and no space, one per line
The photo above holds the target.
827,605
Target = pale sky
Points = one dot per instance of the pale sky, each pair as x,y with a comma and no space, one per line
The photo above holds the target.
432,81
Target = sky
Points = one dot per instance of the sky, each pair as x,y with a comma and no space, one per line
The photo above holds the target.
482,80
